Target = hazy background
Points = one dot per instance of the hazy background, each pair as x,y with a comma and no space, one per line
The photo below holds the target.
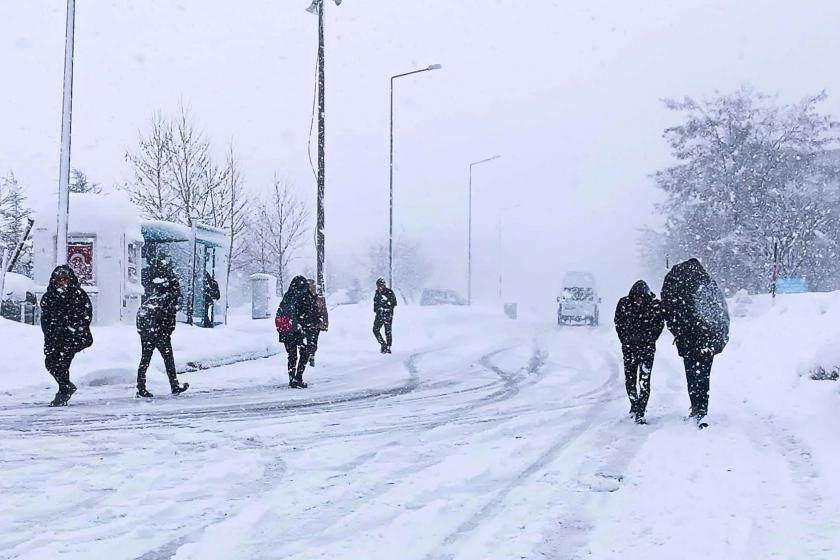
567,92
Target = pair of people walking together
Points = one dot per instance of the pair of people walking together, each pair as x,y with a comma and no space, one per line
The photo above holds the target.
66,315
694,309
301,317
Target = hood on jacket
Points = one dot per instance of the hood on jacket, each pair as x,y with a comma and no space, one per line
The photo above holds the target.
298,285
640,290
66,272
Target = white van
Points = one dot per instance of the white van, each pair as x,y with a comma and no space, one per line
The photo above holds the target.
579,302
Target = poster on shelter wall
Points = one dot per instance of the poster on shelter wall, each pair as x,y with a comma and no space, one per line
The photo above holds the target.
80,259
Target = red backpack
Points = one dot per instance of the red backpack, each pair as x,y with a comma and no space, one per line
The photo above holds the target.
283,323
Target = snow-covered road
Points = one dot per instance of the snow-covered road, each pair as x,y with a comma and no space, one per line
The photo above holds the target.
494,439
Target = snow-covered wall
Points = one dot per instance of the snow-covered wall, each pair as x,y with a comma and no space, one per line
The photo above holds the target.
104,242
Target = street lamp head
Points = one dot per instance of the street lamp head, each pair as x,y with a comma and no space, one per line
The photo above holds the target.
313,8
435,67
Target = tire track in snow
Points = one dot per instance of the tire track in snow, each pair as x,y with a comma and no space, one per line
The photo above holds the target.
816,519
608,473
346,507
491,508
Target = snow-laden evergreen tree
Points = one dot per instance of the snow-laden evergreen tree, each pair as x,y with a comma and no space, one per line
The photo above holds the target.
13,217
751,173
79,183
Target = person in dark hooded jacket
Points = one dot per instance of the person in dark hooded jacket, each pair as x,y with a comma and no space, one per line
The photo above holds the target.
638,322
156,323
384,304
299,308
66,314
697,316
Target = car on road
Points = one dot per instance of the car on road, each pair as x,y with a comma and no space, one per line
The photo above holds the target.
441,297
579,303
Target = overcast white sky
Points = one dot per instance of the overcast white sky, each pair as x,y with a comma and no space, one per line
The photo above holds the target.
567,92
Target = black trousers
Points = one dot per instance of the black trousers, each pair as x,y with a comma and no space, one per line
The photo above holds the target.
383,320
698,371
638,364
298,357
58,363
312,341
163,344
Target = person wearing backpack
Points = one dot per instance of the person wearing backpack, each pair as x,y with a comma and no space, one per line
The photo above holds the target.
66,314
638,323
156,323
293,321
212,294
696,313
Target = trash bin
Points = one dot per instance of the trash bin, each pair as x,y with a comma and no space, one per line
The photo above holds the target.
263,290
511,310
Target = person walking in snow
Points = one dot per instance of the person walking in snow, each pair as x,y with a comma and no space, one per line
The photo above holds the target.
696,313
638,322
66,314
156,323
384,303
319,321
294,321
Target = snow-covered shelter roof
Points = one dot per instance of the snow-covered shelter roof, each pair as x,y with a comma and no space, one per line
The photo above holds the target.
16,285
95,214
156,230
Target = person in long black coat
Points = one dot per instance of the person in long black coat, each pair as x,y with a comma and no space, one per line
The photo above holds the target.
299,306
66,314
639,323
384,303
156,323
697,315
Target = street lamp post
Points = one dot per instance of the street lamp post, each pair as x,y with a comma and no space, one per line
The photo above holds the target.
317,7
391,179
66,120
469,228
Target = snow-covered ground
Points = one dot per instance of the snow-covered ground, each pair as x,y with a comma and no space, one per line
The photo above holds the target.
479,438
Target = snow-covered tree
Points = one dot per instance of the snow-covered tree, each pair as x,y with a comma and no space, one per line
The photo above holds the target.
79,183
275,231
13,220
152,188
751,174
412,268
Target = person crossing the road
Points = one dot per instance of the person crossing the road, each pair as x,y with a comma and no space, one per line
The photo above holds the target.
66,314
294,322
639,323
156,323
384,303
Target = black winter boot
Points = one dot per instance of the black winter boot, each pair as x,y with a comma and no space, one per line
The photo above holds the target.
143,393
60,399
177,390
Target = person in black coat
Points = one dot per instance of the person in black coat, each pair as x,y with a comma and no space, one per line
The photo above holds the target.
212,294
66,314
384,302
697,316
638,322
299,311
156,323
